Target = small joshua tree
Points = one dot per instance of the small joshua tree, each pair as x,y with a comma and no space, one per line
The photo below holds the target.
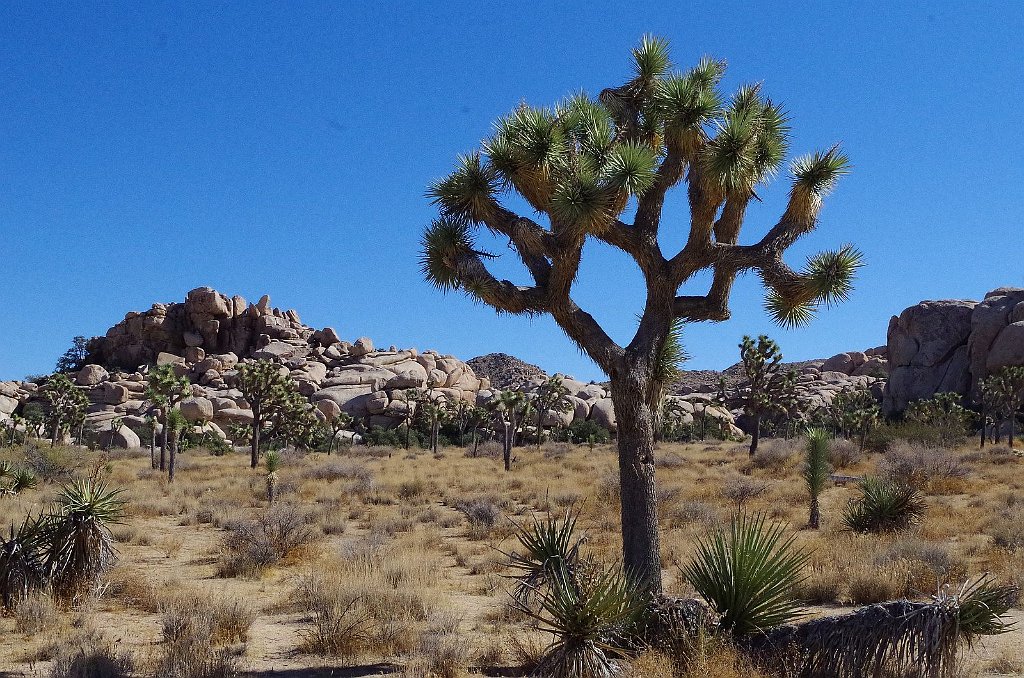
769,389
551,396
1004,390
272,460
66,402
855,412
166,389
579,166
268,391
816,470
339,423
175,425
506,408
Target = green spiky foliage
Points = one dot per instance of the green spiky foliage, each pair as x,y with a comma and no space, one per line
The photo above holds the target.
66,402
507,410
603,168
587,615
271,395
769,387
748,574
547,546
6,469
22,479
667,368
884,506
272,460
165,389
551,396
22,562
80,547
816,470
945,413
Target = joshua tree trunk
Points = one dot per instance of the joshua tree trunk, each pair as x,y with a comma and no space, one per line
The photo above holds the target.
815,517
1010,434
257,424
755,435
507,445
56,432
635,437
163,445
152,446
173,456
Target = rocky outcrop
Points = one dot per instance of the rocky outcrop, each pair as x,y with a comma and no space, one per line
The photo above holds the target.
504,371
949,345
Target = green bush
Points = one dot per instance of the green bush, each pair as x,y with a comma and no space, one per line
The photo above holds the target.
884,506
583,432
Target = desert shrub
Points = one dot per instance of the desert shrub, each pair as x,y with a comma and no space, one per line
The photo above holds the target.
443,652
253,545
482,513
394,438
884,506
1007,527
923,567
867,585
34,614
694,511
918,466
882,437
88,654
583,432
821,586
740,489
774,455
843,453
338,469
490,449
49,464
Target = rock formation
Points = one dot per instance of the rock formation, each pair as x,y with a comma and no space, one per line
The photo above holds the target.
504,371
949,345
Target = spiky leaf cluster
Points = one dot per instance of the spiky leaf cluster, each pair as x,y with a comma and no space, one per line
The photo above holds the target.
769,387
884,505
748,574
66,402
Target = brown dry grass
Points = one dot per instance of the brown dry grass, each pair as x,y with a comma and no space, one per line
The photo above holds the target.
376,558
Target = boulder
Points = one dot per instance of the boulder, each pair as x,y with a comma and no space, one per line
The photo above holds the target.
123,438
113,393
1007,349
164,358
90,375
363,346
602,412
197,409
234,415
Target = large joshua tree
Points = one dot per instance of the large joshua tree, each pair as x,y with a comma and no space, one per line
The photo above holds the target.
579,166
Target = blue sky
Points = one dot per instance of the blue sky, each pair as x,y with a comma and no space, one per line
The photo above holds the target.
284,148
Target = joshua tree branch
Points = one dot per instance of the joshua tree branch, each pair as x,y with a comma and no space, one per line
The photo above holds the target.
503,295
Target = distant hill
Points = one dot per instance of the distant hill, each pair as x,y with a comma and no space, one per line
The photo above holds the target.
505,371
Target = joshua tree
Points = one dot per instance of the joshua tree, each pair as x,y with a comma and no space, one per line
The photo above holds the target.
816,470
769,389
551,396
341,422
580,165
506,408
409,397
115,426
434,407
66,401
165,391
267,390
476,417
176,423
1005,390
151,423
855,411
34,418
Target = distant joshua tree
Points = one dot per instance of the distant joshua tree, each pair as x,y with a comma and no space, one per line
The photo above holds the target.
66,403
580,165
769,388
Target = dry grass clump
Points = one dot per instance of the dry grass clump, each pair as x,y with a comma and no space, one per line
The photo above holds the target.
482,513
443,651
220,619
936,470
775,456
251,546
1007,527
844,453
703,657
740,489
35,613
370,599
87,653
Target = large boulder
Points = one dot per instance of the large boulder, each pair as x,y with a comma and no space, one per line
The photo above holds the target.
197,409
90,375
602,412
928,351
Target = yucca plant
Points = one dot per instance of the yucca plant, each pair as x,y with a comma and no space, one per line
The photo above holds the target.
748,574
548,546
6,469
272,460
816,470
884,506
22,562
79,543
22,479
586,615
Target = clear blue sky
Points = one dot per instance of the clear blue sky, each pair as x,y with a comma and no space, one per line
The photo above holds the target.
284,148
